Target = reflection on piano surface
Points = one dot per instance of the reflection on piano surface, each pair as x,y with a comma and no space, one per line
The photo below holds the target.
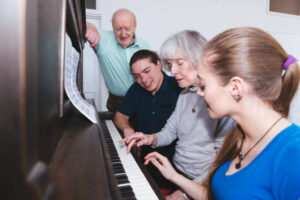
50,150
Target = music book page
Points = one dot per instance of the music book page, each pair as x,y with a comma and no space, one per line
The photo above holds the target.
71,65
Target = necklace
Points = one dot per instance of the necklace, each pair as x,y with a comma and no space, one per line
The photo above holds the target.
194,89
241,156
194,109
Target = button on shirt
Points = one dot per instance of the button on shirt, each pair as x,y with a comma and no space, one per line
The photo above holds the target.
114,61
151,112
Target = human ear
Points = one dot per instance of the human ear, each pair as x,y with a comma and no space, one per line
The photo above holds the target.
158,64
236,88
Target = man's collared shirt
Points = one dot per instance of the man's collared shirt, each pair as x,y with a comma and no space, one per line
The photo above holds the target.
114,61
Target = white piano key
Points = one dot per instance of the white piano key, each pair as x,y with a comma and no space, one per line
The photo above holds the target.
138,182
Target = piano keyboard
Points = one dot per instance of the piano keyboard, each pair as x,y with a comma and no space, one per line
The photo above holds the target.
130,179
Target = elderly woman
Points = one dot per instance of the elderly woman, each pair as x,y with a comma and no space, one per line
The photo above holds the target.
199,136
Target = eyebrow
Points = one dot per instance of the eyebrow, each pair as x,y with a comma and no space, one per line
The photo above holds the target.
145,69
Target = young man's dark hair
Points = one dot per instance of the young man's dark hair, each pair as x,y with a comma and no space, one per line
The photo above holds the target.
142,54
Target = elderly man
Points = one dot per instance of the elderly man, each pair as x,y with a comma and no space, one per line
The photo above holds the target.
114,50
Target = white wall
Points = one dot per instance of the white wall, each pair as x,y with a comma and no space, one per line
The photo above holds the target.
158,19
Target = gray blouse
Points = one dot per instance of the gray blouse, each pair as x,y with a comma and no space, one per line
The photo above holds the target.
199,136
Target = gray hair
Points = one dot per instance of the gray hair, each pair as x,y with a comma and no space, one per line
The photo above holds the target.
186,44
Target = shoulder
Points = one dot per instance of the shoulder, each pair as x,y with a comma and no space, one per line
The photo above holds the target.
104,33
286,173
142,43
185,94
107,40
291,135
288,144
134,88
107,37
185,98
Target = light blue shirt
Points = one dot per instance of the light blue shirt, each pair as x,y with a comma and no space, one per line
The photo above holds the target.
114,61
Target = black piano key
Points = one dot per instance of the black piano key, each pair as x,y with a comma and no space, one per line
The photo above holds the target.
122,179
118,169
127,193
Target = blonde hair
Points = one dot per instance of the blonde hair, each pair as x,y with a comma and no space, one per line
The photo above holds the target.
258,58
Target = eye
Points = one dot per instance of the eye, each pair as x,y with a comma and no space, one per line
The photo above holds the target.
136,76
169,66
180,62
202,87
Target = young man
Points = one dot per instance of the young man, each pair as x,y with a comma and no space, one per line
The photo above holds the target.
114,49
151,100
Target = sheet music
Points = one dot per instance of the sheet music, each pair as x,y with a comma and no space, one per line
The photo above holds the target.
71,64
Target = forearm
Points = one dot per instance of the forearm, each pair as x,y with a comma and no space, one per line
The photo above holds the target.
193,189
122,121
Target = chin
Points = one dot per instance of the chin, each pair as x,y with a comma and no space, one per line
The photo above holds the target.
182,85
123,43
149,89
214,115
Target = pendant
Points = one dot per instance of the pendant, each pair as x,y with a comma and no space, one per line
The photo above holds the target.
238,165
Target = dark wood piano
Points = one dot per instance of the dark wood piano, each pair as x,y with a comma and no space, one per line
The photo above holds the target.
49,150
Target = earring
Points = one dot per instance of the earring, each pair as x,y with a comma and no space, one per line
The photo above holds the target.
237,98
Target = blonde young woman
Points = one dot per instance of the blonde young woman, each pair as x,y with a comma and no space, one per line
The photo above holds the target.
199,136
244,73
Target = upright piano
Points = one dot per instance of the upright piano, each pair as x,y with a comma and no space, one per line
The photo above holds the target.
49,150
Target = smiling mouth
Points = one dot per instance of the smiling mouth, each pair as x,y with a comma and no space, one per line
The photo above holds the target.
178,80
148,84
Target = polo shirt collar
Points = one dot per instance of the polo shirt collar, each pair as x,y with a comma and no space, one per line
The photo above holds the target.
193,89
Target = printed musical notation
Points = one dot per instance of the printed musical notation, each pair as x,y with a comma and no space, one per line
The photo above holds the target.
70,74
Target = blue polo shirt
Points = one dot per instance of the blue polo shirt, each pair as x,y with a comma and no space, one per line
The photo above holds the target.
151,112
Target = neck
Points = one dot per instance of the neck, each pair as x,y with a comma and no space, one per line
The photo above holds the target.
159,84
255,121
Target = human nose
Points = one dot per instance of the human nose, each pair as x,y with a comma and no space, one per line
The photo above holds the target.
143,78
123,33
174,70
